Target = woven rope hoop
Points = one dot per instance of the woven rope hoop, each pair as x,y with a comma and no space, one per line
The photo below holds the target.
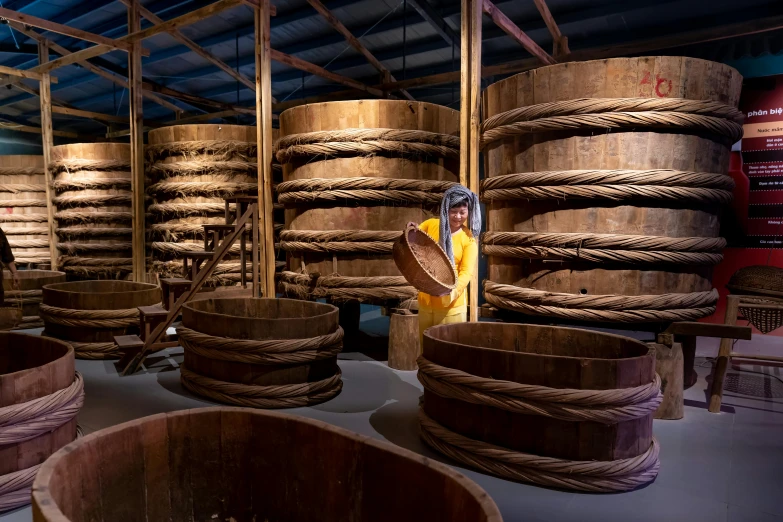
589,476
602,308
28,420
339,288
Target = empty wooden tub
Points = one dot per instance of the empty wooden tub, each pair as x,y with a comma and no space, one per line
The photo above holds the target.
88,314
28,296
560,407
40,395
264,353
248,466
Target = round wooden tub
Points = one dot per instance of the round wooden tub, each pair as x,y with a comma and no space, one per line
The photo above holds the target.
28,297
246,465
33,370
88,314
264,353
572,396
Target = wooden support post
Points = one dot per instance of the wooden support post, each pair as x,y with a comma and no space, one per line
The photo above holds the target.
470,115
137,147
264,136
404,346
669,365
724,354
47,142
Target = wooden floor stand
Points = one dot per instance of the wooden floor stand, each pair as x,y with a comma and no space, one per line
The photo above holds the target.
404,346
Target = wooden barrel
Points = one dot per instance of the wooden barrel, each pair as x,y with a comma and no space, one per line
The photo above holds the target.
264,353
248,465
605,182
278,209
23,215
92,185
29,295
571,395
355,173
190,169
88,314
40,399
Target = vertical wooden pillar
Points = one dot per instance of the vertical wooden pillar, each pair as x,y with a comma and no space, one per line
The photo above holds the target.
470,114
47,144
139,254
724,355
264,136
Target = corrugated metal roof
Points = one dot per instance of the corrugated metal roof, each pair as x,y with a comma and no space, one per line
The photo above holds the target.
393,31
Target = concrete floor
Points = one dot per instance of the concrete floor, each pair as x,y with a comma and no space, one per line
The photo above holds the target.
714,468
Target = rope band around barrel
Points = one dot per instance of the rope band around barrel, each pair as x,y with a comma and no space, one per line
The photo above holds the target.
590,476
202,167
119,318
575,405
89,216
339,288
113,246
40,203
22,171
606,113
202,188
23,218
216,150
605,241
339,241
603,256
602,308
256,396
88,164
367,142
273,352
62,185
15,488
17,188
385,190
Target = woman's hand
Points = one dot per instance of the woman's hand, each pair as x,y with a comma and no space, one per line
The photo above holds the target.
17,282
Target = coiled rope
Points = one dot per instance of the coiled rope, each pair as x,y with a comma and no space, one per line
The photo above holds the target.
339,288
392,191
603,308
119,318
28,420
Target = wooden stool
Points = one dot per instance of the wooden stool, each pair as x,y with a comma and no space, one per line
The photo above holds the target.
404,346
172,288
149,318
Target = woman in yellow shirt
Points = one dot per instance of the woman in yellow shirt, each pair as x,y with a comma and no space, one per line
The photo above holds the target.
461,245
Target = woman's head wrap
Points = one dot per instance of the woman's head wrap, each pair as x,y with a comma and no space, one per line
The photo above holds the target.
454,196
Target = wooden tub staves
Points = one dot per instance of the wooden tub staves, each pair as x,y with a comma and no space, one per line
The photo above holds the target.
28,296
242,465
560,407
89,314
23,211
263,353
40,396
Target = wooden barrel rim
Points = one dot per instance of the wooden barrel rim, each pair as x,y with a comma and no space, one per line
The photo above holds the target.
380,102
124,294
154,133
66,351
46,508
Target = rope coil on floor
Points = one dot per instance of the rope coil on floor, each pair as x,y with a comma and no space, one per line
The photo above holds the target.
589,476
576,405
610,113
340,288
273,396
276,351
119,318
603,308
366,142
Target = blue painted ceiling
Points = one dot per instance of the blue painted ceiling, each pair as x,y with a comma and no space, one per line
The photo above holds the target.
392,30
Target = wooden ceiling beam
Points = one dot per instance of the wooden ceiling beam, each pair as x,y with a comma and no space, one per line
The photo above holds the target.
511,29
437,22
193,99
560,42
46,25
354,42
89,115
21,73
36,130
311,68
35,92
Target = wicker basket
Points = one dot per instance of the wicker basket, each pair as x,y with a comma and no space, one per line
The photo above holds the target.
757,280
764,319
424,263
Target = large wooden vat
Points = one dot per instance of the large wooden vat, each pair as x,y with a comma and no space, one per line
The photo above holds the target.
92,185
29,294
248,465
264,353
39,402
355,173
190,169
88,314
23,214
605,182
542,391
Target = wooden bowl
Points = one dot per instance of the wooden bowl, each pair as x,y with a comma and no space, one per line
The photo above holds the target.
423,263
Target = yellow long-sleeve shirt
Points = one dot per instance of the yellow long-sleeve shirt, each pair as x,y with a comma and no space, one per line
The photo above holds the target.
465,249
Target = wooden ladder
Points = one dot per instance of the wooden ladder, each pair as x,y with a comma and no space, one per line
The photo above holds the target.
137,349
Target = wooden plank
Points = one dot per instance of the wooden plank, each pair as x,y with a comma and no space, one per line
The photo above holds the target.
265,281
695,328
203,117
193,46
354,42
511,29
560,41
21,73
311,68
470,115
63,29
437,22
138,254
196,100
37,130
255,4
724,354
47,143
89,114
